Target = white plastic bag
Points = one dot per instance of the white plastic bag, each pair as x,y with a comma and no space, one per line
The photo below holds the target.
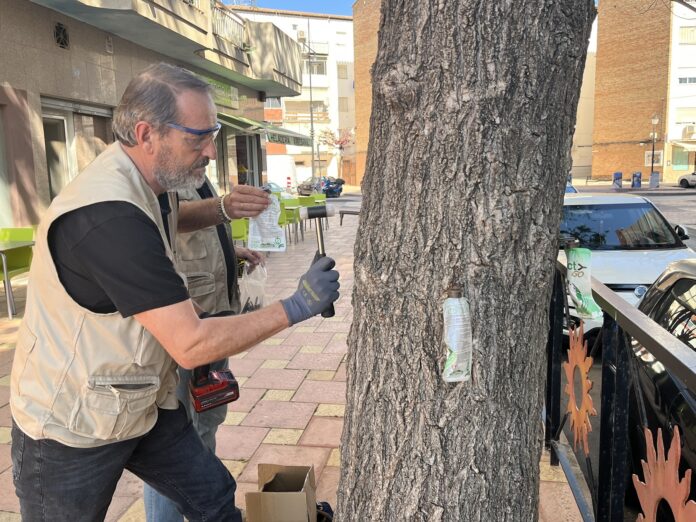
252,288
264,232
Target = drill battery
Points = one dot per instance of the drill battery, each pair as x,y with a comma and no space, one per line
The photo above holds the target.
212,388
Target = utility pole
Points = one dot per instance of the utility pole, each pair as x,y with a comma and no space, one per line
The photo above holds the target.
310,54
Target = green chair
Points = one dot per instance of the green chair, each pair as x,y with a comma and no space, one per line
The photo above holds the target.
290,209
307,201
240,230
17,260
320,199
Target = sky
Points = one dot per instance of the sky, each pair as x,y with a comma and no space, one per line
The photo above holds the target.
339,7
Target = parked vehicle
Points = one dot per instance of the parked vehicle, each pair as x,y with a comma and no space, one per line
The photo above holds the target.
330,186
630,240
687,180
670,302
570,189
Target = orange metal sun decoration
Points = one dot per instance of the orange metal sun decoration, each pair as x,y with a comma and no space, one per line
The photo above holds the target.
579,414
662,481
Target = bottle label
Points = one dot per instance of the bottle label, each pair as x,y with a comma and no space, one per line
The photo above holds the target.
458,339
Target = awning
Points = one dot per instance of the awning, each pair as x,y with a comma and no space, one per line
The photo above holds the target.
273,133
686,145
280,135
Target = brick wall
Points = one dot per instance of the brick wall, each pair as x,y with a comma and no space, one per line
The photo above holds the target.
631,86
365,26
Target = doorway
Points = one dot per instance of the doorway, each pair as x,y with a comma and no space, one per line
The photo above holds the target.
58,134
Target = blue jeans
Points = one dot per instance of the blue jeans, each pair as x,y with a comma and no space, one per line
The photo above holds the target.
60,483
158,508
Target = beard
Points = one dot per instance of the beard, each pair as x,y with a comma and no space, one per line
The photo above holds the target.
171,175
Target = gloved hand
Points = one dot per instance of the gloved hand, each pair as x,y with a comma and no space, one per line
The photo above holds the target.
318,288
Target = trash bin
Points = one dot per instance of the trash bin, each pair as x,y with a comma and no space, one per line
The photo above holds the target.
618,180
635,180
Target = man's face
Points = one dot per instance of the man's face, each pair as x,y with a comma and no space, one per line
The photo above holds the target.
183,154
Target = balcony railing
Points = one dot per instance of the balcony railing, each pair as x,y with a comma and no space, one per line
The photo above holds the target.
228,26
598,470
304,117
194,3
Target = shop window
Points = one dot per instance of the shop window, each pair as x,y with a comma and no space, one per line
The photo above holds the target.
680,159
687,35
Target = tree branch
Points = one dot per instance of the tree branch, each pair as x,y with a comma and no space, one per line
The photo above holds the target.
688,6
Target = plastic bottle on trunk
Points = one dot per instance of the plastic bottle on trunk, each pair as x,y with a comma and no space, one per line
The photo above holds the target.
457,337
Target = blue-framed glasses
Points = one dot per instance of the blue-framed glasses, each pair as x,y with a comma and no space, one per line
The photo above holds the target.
205,136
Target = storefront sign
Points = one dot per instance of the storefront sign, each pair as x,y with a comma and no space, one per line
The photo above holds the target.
224,94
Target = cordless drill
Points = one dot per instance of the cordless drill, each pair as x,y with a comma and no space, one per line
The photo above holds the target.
212,388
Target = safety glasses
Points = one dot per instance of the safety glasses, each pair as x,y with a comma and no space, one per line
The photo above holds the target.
205,136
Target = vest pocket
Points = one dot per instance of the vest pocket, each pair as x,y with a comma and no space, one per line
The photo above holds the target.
26,341
200,283
114,407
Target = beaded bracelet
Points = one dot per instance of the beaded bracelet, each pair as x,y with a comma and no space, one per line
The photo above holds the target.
222,212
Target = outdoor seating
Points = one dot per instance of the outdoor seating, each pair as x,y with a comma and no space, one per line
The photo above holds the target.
240,230
15,260
290,211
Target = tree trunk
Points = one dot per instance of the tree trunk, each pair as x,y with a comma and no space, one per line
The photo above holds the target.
474,106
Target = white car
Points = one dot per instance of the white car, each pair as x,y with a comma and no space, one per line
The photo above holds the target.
687,180
630,240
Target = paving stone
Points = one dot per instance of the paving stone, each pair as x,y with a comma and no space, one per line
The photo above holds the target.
334,458
276,379
329,392
8,499
234,418
277,364
244,367
5,435
328,485
330,410
135,513
5,458
287,456
341,373
273,352
278,395
278,414
238,442
283,436
5,416
305,329
4,395
323,431
304,339
556,503
235,467
311,349
10,517
320,375
343,326
315,361
247,398
240,494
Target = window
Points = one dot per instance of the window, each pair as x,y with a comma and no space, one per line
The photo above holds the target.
677,313
685,116
618,227
272,103
687,79
60,162
680,159
343,104
342,70
687,35
315,65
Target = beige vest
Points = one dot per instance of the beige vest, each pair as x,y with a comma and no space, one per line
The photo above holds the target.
201,258
82,378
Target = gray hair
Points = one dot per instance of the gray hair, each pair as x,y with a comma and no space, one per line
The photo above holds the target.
151,97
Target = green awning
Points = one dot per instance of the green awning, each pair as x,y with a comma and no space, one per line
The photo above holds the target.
273,133
280,135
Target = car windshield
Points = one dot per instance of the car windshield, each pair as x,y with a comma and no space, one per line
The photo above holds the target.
618,227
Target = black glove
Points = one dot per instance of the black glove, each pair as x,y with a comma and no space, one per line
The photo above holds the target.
318,288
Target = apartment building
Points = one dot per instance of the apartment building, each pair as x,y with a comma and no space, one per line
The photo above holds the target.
326,106
645,103
64,65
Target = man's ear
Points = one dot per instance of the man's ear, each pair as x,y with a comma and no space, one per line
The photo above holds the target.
144,135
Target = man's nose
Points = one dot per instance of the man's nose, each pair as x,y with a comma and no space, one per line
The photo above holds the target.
210,150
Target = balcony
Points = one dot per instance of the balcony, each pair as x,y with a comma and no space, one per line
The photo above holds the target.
201,33
304,117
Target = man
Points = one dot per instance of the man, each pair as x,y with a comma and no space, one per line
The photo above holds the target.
209,260
108,319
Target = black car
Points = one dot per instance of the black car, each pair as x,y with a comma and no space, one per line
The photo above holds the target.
670,302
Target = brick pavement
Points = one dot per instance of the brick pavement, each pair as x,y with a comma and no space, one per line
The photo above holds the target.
292,395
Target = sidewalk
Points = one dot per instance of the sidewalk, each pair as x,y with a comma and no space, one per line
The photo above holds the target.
292,395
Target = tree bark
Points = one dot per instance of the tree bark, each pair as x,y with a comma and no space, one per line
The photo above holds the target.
474,106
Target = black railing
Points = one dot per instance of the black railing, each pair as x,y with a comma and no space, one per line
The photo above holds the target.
602,498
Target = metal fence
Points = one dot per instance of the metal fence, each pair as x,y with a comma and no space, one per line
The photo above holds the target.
600,480
228,26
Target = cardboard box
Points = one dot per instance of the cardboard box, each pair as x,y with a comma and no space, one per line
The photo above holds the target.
286,494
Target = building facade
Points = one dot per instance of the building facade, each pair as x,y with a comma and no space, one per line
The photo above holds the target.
645,103
64,65
325,109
